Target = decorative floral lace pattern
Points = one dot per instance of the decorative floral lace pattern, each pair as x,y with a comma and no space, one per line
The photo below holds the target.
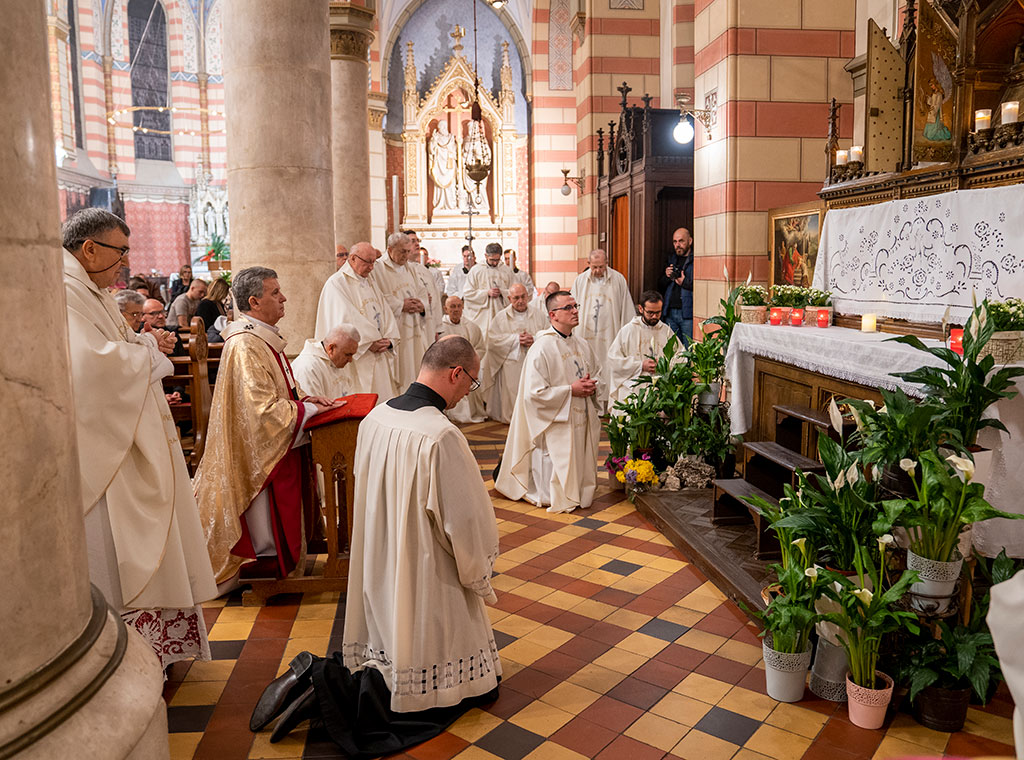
174,634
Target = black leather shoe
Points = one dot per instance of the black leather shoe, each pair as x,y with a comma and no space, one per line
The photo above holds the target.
282,691
303,708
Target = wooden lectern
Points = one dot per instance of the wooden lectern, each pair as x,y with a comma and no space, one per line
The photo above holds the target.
333,447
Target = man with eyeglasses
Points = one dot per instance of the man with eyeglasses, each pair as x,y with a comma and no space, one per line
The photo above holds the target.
636,348
350,296
512,332
550,457
146,548
486,289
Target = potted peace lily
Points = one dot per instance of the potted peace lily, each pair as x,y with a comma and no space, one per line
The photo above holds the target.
865,614
754,310
946,502
618,442
707,362
1007,342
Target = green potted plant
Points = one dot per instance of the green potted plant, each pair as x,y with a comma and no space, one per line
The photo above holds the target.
727,319
754,309
709,437
618,442
639,416
672,391
966,385
867,613
217,256
946,502
707,362
1007,342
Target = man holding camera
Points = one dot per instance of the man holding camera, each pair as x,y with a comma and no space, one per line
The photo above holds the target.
677,285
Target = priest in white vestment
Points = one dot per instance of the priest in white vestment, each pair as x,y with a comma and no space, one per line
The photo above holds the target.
408,294
1004,621
457,275
636,348
550,457
540,303
350,296
518,275
471,407
486,291
321,368
605,306
512,333
417,649
144,539
249,482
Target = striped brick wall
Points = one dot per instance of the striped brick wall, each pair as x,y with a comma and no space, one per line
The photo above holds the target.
772,65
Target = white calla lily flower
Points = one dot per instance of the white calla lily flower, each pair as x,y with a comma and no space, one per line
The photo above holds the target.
864,595
908,466
963,464
811,572
835,415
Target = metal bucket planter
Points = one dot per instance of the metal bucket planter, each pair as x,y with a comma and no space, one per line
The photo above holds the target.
933,594
867,706
828,675
785,674
942,709
709,399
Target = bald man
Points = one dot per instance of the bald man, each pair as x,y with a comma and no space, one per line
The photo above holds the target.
605,306
677,285
539,304
510,336
471,407
320,368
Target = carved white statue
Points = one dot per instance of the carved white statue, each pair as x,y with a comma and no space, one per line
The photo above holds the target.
210,218
443,152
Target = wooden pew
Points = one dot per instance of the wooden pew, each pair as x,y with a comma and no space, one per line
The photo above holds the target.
192,372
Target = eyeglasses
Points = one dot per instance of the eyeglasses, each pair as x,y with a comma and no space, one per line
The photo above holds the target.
475,383
123,251
646,313
161,313
570,307
365,261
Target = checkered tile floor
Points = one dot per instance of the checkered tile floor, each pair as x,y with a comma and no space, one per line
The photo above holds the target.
613,647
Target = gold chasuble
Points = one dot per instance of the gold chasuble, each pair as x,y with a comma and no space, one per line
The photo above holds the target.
255,418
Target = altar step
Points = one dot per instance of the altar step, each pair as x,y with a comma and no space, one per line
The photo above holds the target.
769,465
797,427
730,508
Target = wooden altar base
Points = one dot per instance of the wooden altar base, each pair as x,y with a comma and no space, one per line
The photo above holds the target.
724,553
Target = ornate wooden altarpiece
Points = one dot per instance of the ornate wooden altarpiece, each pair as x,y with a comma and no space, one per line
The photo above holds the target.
644,190
981,47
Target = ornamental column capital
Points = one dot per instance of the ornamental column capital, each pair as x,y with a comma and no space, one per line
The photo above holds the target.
351,31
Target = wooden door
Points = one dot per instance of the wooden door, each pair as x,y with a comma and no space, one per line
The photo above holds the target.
619,253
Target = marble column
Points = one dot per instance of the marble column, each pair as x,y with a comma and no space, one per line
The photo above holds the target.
351,34
277,82
74,682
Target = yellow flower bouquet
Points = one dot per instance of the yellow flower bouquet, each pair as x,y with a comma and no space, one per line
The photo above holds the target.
638,475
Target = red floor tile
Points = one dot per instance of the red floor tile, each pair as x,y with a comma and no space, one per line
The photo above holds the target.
263,649
606,633
638,693
442,747
846,737
614,597
558,664
524,572
660,674
647,605
580,735
532,683
509,702
971,745
554,580
722,626
612,714
722,669
582,588
571,622
624,747
583,648
682,657
271,629
540,612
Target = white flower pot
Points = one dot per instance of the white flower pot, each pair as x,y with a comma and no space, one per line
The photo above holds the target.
933,594
785,674
828,675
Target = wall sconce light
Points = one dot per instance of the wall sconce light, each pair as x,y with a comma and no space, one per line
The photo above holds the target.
683,132
578,181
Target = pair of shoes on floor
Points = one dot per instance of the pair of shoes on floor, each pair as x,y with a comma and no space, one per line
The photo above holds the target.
290,695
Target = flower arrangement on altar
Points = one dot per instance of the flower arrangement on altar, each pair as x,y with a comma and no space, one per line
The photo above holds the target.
817,297
789,295
1008,314
218,250
753,295
638,475
433,263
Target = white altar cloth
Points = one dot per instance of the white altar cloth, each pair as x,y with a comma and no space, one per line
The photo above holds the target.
866,359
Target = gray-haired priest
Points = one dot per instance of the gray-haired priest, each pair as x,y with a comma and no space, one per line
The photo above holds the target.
144,539
249,482
417,649
322,367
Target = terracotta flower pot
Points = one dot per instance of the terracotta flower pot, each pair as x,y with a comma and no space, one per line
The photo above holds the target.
868,706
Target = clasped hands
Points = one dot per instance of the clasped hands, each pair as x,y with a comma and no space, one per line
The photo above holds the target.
412,306
525,339
380,346
494,293
165,340
584,387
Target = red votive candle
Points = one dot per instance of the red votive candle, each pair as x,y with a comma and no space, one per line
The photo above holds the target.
956,340
796,317
822,317
775,316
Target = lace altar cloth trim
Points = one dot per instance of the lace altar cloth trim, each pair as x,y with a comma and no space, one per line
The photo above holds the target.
174,634
911,258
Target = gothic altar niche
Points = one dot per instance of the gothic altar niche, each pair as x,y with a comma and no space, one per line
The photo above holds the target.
207,214
437,136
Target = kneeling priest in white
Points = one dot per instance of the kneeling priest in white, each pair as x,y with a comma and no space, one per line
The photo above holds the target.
551,453
636,348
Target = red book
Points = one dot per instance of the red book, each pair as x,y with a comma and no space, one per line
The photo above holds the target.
359,405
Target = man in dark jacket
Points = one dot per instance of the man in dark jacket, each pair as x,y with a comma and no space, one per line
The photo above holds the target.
677,285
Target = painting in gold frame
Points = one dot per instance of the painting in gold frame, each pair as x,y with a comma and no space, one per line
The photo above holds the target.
793,235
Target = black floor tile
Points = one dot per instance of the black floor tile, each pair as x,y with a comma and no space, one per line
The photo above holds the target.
590,522
663,629
503,639
188,719
510,742
727,725
620,567
226,650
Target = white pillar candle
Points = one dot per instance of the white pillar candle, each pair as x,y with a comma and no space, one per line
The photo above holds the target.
857,153
982,119
867,323
1009,111
842,157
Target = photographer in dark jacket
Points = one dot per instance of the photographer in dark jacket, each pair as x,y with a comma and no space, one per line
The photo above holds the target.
677,285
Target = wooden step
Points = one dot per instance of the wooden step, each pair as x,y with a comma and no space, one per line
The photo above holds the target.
783,457
802,413
730,509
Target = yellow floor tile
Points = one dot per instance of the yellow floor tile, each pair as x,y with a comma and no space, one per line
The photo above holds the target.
597,678
518,555
990,726
210,670
701,641
230,631
591,560
602,577
524,652
701,687
314,644
609,550
503,564
553,751
541,718
891,747
697,745
289,747
615,528
562,600
548,637
570,697
238,615
779,744
322,597
643,534
197,693
657,731
681,709
475,753
183,746
593,610
749,703
668,564
509,668
302,629
215,603
620,660
628,619
740,652
906,728
533,591
474,724
697,600
651,575
711,590
641,643
317,611
573,570
682,616
506,582
516,625
632,585
494,614
798,720
749,754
